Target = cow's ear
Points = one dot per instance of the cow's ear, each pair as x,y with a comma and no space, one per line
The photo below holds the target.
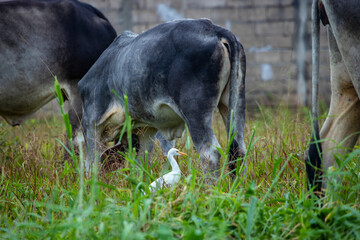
322,14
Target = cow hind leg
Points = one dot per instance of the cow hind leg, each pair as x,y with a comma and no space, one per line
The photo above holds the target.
341,128
223,109
206,144
236,151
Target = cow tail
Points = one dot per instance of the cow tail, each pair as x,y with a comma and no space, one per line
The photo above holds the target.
236,101
313,161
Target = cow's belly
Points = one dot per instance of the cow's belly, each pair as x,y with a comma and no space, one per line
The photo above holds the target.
172,132
18,101
164,117
169,122
25,81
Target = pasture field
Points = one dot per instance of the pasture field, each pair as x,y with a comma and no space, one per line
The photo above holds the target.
43,198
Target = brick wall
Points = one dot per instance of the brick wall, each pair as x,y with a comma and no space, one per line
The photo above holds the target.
266,28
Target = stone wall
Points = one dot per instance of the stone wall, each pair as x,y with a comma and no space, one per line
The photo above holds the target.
266,28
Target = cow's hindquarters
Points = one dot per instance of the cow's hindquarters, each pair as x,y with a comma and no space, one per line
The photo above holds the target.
341,128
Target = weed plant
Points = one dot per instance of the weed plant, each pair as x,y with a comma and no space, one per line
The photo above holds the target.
41,197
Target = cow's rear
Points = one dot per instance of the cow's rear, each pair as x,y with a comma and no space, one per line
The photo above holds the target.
174,74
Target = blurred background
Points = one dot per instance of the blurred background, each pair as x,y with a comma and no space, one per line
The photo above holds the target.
276,35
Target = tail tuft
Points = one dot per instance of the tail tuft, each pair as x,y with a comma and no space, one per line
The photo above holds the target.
313,164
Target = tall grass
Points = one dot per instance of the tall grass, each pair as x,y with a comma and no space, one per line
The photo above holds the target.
43,198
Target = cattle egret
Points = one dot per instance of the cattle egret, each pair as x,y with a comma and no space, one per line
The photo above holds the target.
171,178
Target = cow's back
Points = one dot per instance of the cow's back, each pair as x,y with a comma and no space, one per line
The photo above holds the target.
147,65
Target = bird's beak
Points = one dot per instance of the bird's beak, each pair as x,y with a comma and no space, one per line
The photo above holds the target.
182,153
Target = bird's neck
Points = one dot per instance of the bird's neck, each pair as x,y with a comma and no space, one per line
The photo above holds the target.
174,165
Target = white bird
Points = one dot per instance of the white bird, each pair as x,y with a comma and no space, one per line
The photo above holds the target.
171,178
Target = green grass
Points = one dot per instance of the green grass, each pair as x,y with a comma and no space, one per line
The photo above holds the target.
42,198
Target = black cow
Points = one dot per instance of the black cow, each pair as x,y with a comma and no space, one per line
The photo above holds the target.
342,126
40,39
178,72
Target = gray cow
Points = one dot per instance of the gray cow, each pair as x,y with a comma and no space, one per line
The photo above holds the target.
40,39
176,73
342,126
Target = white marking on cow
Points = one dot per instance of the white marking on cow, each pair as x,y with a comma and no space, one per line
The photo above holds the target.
225,69
224,84
112,121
